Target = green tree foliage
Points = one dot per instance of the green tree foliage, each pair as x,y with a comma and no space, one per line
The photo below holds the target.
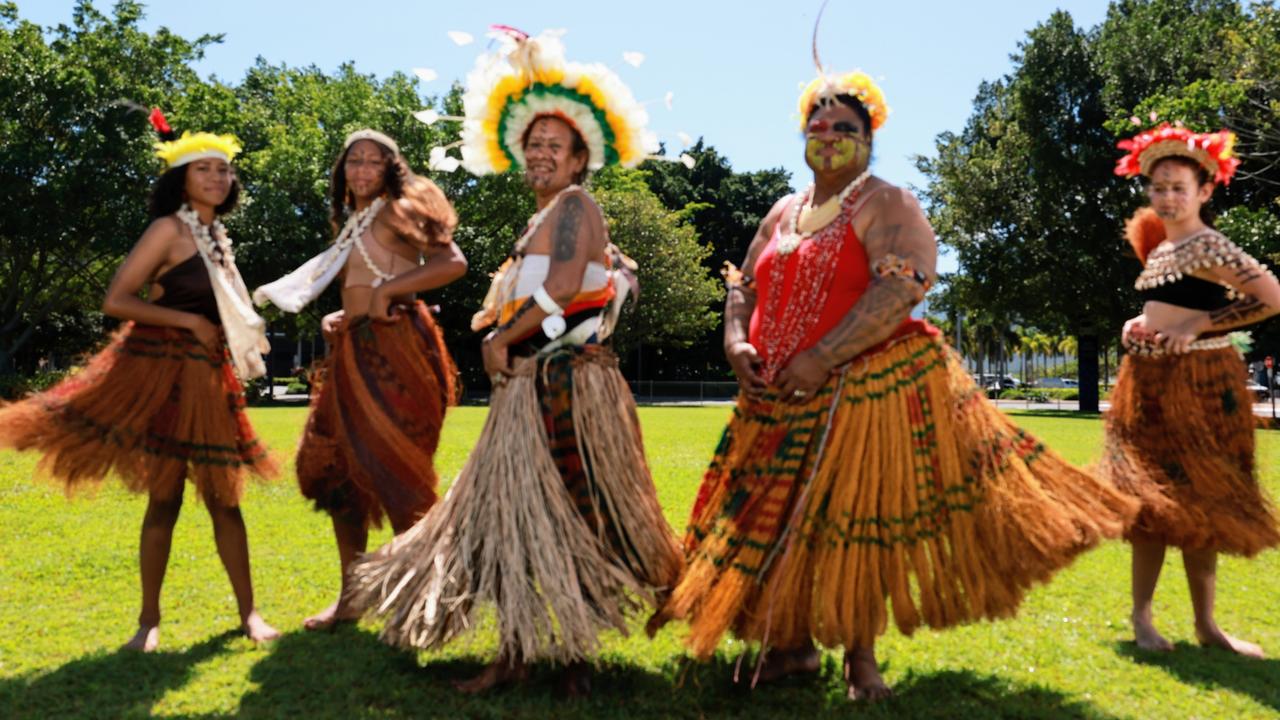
1025,193
75,166
79,164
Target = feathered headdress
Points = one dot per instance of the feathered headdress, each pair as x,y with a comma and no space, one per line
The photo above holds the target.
1214,151
824,88
529,78
177,151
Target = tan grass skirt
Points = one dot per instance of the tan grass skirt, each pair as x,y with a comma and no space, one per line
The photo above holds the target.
517,529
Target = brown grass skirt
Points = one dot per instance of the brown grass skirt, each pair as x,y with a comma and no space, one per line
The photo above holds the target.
1180,438
558,564
378,404
898,490
155,406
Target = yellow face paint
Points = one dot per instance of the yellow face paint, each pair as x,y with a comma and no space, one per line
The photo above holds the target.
837,154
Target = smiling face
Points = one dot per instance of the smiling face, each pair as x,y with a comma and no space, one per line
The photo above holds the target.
550,162
364,168
208,182
836,141
1176,192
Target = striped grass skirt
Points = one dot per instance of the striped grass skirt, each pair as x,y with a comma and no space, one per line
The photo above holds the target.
897,491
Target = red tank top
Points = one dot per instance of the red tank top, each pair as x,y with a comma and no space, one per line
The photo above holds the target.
844,287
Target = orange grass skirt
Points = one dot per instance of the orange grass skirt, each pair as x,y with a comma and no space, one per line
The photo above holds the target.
1180,438
896,490
378,404
156,407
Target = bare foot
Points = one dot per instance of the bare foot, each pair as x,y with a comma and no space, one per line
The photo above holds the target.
496,674
331,617
1217,638
257,629
575,681
1147,637
146,640
783,663
862,675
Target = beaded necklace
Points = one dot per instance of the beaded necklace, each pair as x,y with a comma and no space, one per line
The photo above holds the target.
784,328
211,240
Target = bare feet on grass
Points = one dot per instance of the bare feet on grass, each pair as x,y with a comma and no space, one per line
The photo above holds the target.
862,676
1214,637
257,629
779,664
1147,637
496,674
146,640
331,617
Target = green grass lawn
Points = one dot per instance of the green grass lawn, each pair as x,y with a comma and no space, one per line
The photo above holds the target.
69,598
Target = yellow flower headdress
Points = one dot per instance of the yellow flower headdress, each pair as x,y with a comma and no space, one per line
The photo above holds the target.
824,88
529,78
191,147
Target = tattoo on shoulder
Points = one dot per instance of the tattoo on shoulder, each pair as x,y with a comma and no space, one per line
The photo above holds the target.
564,241
1242,310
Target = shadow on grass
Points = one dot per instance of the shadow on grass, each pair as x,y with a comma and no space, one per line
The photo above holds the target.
1214,668
114,685
351,674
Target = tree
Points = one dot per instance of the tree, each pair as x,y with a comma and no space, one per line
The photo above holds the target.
76,165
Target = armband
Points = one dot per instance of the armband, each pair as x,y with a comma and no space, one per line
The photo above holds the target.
893,266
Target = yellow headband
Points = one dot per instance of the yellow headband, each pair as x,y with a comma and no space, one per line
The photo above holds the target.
199,146
856,84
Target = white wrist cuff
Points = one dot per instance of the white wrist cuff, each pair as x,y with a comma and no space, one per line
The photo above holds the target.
546,302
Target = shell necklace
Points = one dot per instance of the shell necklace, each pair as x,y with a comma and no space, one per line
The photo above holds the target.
211,240
351,232
793,237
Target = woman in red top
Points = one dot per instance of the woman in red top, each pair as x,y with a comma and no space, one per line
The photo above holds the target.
863,476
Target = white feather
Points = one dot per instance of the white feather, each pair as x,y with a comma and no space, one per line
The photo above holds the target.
668,98
461,38
687,160
633,58
685,138
428,116
425,74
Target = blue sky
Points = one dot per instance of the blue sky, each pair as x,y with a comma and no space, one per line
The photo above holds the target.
735,68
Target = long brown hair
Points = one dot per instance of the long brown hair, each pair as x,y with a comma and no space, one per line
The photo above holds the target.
420,213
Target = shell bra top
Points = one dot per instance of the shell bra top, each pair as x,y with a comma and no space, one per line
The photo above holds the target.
582,316
846,285
187,288
359,275
1166,276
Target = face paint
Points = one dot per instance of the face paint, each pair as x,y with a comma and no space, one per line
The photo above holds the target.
843,152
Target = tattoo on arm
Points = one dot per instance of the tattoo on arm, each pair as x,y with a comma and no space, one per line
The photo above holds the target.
886,303
1237,313
1248,273
740,302
565,236
519,313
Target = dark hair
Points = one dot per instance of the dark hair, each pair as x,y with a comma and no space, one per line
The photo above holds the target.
856,105
579,146
394,176
1207,215
170,192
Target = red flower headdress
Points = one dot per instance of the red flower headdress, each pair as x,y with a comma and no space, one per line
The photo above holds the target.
1214,151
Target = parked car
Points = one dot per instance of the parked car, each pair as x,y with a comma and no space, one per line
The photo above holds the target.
1058,382
1260,392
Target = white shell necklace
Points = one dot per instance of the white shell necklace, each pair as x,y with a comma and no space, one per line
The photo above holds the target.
213,244
535,222
791,239
352,230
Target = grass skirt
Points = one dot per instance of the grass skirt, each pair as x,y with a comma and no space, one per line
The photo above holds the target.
1180,438
378,404
154,405
518,530
897,489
